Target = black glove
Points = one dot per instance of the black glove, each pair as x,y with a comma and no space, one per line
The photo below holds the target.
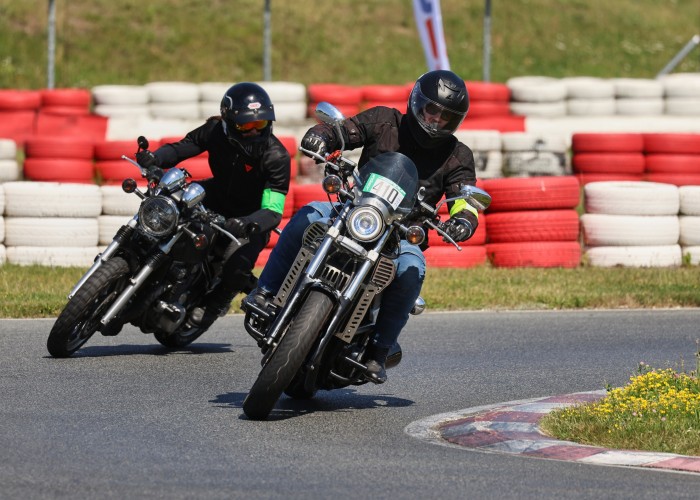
147,159
458,229
236,227
314,143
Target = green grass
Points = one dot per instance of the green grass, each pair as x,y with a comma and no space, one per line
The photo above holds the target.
659,410
373,41
37,291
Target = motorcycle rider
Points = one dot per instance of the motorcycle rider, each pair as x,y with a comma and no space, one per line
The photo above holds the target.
250,180
436,107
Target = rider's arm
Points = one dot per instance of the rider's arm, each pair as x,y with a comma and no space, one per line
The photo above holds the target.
463,173
169,155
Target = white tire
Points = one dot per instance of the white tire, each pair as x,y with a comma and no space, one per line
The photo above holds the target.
634,256
488,164
690,230
52,256
689,200
534,163
108,225
280,92
524,141
591,107
9,170
631,198
588,88
172,92
52,199
51,232
544,109
3,255
290,113
2,229
638,88
644,106
213,92
209,108
175,110
123,111
681,85
117,95
116,202
2,199
8,149
536,89
630,230
692,253
682,106
480,140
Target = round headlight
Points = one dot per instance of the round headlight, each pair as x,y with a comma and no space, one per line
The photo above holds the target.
365,223
158,216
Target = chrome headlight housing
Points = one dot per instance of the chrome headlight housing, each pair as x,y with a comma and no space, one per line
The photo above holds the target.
158,216
365,223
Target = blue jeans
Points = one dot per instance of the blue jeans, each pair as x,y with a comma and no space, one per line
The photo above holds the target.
397,299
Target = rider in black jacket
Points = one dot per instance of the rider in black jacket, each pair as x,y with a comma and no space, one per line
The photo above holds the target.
437,105
251,173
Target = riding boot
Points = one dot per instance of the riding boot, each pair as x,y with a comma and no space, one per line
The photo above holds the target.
216,304
376,363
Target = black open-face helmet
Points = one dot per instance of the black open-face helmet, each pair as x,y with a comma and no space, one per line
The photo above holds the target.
437,106
247,114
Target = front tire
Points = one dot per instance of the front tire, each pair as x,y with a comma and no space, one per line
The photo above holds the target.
290,354
81,316
182,337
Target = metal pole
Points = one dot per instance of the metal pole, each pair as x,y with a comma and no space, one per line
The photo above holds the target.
678,57
51,44
487,41
267,70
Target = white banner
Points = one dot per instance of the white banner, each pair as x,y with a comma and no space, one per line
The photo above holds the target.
429,22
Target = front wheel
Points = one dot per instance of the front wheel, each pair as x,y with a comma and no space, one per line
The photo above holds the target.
80,318
290,354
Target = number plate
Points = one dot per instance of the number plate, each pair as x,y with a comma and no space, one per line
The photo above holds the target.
386,189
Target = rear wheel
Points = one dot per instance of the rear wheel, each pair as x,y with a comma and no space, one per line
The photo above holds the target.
80,318
290,354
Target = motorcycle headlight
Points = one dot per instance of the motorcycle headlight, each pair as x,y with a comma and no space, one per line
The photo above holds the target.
158,216
365,223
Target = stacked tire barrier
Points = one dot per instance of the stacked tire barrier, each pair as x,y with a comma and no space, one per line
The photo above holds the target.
689,220
607,157
672,158
59,159
532,222
486,146
51,224
631,224
533,155
9,167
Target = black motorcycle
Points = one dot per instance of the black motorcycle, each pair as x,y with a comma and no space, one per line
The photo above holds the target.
159,266
315,331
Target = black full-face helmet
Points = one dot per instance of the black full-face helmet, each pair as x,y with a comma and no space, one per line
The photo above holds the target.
437,106
247,114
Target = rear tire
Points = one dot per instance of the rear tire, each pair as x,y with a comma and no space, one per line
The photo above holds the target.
80,318
289,356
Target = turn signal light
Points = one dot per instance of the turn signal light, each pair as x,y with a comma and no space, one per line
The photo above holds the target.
129,185
201,241
415,235
332,184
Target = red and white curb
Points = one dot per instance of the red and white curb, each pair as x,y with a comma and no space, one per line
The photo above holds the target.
512,428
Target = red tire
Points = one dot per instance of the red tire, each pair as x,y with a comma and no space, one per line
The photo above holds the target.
510,123
673,164
19,100
608,163
398,105
484,109
479,238
533,225
306,193
535,254
115,171
59,147
290,144
449,256
533,193
586,178
197,166
673,178
17,125
334,93
672,143
113,150
346,109
385,93
59,170
274,237
73,98
487,91
607,143
91,127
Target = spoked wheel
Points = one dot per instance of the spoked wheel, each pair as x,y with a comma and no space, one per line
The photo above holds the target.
290,354
80,318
